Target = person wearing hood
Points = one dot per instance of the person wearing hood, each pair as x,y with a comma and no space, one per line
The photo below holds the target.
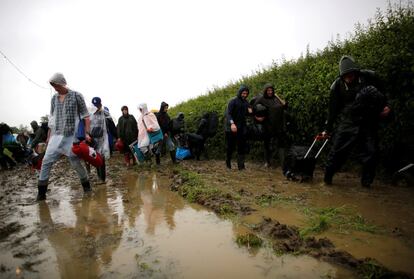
203,131
40,134
127,129
34,126
236,128
164,121
99,134
274,123
67,108
178,129
355,127
147,123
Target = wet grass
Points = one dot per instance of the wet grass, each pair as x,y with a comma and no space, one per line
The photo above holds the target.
371,269
249,240
341,219
194,189
271,200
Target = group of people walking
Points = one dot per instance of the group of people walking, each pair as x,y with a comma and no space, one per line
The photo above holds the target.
356,105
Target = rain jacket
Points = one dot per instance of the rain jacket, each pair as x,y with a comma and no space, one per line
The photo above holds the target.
40,135
237,110
274,122
178,124
127,129
164,119
342,95
98,119
150,122
203,125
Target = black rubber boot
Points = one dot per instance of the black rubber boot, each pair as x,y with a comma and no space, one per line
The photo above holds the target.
328,178
157,159
173,158
42,189
86,186
240,162
228,164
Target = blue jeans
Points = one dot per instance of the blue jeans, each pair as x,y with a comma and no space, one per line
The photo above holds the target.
51,157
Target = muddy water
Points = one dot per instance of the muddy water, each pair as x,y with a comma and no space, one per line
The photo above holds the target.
139,229
390,209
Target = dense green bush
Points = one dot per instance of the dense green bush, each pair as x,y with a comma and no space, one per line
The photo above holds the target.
384,45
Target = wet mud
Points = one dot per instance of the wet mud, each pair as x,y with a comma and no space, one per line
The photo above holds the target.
137,225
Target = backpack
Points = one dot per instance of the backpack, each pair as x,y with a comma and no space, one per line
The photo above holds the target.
212,124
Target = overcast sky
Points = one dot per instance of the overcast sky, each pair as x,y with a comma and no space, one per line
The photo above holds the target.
129,51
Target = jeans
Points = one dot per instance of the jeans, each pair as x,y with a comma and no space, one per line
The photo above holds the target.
51,157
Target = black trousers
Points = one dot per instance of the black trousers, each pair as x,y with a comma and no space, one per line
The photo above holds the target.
346,140
233,140
271,143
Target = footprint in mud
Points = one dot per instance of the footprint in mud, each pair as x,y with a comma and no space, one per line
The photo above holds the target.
9,229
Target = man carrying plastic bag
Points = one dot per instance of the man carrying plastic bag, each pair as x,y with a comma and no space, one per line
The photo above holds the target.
67,108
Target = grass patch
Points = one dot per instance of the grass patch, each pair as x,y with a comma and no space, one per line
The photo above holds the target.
271,200
371,269
341,218
194,189
250,240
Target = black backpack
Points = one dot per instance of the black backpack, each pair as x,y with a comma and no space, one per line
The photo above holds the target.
212,124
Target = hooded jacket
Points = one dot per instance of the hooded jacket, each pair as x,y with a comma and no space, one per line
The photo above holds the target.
236,112
342,95
127,128
274,122
178,124
40,134
34,126
203,125
145,121
164,119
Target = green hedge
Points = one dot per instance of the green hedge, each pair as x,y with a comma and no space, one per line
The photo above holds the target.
384,45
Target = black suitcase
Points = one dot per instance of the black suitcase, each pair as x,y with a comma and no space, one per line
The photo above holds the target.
300,161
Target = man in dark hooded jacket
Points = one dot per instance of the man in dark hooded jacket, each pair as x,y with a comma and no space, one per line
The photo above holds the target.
236,128
356,101
127,130
274,123
178,129
40,133
164,121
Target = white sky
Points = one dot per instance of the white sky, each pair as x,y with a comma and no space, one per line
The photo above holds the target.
129,51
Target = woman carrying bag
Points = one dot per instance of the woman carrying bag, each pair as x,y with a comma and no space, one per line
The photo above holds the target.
149,132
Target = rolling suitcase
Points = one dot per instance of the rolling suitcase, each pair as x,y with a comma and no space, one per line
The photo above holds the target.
300,161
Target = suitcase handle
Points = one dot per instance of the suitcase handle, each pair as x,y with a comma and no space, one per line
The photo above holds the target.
317,138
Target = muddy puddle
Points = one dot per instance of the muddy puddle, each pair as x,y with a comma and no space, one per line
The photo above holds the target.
377,223
134,229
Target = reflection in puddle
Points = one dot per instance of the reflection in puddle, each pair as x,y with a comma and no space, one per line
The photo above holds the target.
145,230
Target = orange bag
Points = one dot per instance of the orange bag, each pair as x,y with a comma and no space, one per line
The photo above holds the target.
87,153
